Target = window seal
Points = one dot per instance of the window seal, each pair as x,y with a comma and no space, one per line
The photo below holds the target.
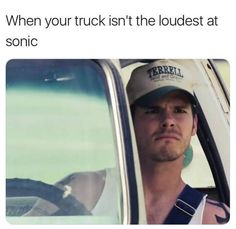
127,142
212,154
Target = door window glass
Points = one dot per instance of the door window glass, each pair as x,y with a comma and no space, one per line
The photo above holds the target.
60,144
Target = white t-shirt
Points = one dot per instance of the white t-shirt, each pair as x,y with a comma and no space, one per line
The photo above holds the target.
197,217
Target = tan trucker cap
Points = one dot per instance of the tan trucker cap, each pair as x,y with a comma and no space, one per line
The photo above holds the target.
151,81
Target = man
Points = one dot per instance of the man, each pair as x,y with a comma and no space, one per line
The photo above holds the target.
163,108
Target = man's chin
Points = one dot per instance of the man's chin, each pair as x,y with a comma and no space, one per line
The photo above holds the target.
165,156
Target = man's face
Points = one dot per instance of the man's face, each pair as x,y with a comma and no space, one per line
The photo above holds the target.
164,129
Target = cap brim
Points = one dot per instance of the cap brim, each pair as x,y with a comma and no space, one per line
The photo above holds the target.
155,95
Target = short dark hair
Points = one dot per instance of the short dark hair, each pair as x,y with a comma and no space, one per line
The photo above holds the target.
132,109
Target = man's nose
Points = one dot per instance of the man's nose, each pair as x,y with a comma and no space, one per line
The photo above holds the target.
167,119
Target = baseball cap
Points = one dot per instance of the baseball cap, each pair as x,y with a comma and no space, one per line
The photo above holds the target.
152,81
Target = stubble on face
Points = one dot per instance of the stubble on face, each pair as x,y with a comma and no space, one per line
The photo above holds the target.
162,150
163,144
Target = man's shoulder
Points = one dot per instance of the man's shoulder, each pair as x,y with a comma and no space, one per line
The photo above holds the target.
215,212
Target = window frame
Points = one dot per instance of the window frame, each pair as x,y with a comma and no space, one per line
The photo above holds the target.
133,201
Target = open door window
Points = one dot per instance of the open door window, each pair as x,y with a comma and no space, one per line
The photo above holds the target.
206,165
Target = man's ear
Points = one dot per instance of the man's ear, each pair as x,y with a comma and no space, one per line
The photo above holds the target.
195,123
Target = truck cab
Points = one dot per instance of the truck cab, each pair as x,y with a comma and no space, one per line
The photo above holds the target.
71,153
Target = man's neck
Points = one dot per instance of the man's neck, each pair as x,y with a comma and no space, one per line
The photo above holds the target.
162,185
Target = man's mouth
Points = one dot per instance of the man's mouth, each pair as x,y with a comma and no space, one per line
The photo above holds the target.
167,137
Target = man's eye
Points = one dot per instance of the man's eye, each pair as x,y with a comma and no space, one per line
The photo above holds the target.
180,110
152,110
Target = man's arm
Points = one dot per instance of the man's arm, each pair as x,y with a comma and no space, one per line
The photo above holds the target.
215,213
